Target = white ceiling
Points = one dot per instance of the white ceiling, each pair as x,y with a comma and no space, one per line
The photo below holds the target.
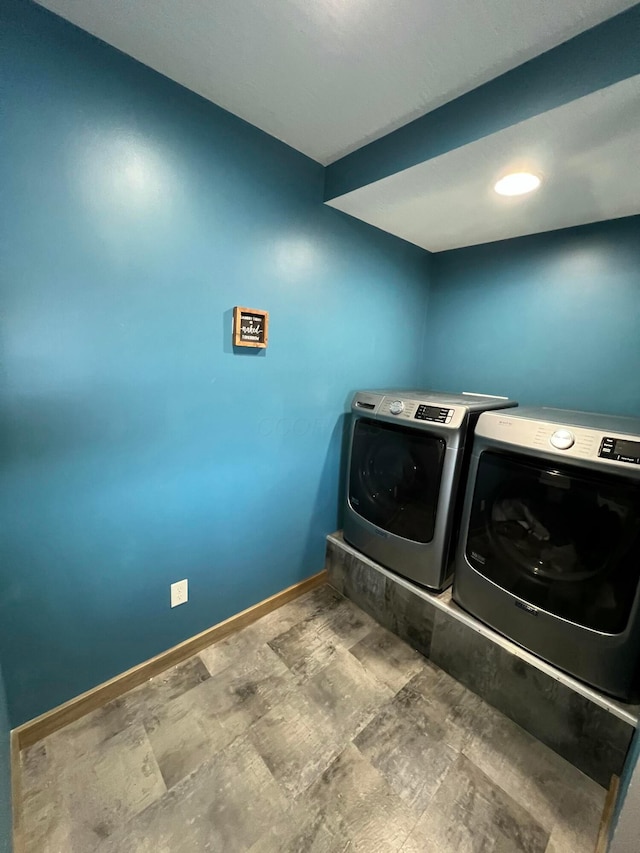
328,76
587,151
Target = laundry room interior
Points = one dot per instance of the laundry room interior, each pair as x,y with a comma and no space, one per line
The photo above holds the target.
268,331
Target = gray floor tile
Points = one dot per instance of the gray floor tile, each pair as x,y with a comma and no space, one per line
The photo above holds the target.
303,650
315,605
86,798
86,735
358,804
388,658
347,696
185,733
224,807
236,648
302,832
296,742
168,685
470,814
243,692
433,696
413,758
309,613
80,738
345,624
311,644
569,839
538,778
311,731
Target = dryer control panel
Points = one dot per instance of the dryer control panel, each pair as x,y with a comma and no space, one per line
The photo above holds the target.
421,414
620,450
432,411
434,414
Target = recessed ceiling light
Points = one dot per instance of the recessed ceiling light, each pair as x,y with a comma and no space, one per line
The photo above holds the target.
518,183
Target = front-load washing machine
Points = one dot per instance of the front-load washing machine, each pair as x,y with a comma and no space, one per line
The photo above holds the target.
406,461
549,550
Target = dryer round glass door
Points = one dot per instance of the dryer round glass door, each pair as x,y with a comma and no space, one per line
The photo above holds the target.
394,479
563,539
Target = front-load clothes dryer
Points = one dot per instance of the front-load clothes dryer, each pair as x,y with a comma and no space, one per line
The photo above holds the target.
549,550
406,460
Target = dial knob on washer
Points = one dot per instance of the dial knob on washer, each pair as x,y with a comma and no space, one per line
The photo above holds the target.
396,407
563,439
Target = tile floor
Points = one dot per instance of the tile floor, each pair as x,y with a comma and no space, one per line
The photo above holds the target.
312,730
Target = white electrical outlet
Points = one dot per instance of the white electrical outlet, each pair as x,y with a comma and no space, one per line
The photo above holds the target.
179,592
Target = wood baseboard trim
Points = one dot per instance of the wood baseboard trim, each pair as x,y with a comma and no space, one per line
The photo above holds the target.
16,794
607,815
40,727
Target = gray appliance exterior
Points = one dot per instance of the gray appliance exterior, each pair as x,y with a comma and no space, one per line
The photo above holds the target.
606,661
428,564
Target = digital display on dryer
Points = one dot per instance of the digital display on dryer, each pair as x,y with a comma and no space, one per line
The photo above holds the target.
620,450
628,448
433,413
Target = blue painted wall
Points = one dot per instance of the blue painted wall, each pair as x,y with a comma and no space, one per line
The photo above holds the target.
5,775
138,447
552,319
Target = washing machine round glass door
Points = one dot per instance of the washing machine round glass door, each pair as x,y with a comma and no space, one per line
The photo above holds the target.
394,479
564,539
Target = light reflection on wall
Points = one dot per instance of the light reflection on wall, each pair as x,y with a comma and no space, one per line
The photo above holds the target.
295,257
121,174
587,265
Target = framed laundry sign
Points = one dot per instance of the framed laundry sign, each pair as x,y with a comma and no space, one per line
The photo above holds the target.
250,327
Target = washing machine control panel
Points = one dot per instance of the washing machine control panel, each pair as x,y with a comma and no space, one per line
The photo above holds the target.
620,450
571,441
435,414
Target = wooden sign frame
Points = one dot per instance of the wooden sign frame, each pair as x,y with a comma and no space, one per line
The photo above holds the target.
241,335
